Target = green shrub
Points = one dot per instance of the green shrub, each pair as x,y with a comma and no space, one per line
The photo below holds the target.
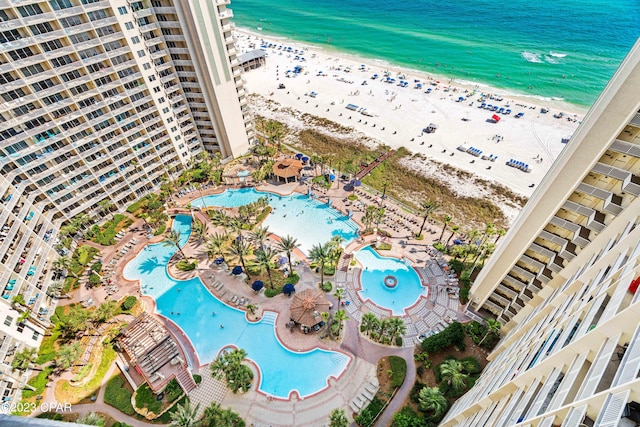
382,246
197,378
399,341
184,265
262,215
94,279
270,293
440,246
53,416
369,413
39,382
452,335
352,197
326,286
399,369
471,365
173,390
135,206
128,303
160,230
118,396
407,417
146,399
97,267
165,418
414,394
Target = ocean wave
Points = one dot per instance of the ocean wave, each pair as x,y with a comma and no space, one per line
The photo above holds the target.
557,55
531,57
551,59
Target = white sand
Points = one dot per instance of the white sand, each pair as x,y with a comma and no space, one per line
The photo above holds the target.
400,114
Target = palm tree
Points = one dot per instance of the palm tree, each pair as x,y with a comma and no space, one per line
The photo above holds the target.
339,293
214,416
259,236
184,415
454,230
493,326
287,245
215,244
91,419
199,230
432,400
240,249
173,239
340,316
61,264
446,220
320,255
369,321
22,359
428,207
337,418
251,308
263,260
451,372
55,288
499,233
396,327
105,205
67,355
105,311
81,220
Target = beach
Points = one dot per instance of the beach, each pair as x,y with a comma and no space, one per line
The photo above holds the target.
341,88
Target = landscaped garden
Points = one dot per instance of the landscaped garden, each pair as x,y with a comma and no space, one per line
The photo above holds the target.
105,234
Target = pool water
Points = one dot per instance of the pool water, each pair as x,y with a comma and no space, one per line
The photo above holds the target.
311,222
212,325
375,268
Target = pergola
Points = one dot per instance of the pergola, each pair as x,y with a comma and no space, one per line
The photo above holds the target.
287,168
307,306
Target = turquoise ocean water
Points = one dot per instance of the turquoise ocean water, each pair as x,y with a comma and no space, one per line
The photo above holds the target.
546,48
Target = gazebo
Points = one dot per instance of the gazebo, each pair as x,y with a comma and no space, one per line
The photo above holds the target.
287,168
307,306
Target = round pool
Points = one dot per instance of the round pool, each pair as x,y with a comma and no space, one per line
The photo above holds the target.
388,282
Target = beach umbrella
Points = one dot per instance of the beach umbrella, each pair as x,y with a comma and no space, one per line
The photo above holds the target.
218,261
236,270
299,156
332,177
288,289
257,285
305,159
283,260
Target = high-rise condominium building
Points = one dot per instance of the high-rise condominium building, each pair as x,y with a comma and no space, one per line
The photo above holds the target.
101,99
566,278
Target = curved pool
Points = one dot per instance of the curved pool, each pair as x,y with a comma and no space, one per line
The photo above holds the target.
311,222
212,325
388,282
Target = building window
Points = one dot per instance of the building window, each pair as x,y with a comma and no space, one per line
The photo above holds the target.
97,14
44,84
165,110
152,78
141,53
60,4
122,10
161,100
156,89
51,45
146,66
35,336
8,320
32,70
30,10
18,54
128,25
135,39
43,28
61,61
9,36
70,21
173,129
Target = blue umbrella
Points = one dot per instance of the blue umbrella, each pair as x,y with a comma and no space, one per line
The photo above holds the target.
299,156
257,285
305,159
236,270
218,261
332,177
283,260
288,289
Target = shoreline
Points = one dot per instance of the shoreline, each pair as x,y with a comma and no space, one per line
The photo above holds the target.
542,101
331,84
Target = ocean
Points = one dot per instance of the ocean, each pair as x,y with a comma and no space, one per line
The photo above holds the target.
564,50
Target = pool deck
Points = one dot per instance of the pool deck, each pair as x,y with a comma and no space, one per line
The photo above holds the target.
428,314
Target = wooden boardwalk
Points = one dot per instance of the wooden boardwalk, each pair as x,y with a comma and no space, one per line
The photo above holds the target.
371,166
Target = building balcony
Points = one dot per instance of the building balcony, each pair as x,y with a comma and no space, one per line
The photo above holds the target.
226,14
612,203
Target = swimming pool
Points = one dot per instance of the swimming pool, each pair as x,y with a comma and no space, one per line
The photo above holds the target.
200,315
311,222
403,286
